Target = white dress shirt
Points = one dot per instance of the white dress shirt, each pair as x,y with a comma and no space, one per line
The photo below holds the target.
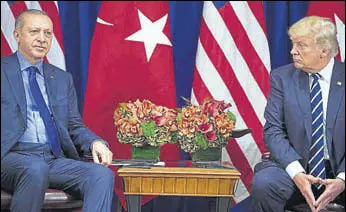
326,75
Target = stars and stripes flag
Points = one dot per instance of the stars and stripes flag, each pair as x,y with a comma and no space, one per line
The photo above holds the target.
233,64
236,46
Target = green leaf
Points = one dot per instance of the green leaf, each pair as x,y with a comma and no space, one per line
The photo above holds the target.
179,117
148,128
231,116
201,141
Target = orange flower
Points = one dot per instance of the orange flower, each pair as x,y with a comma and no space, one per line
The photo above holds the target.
186,112
147,107
129,128
117,115
201,119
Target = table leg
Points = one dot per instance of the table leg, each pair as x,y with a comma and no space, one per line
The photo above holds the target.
133,203
223,204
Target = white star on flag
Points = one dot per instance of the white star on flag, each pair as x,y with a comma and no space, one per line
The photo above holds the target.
151,33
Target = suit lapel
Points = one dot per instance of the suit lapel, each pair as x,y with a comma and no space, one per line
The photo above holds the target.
303,93
50,81
12,70
337,89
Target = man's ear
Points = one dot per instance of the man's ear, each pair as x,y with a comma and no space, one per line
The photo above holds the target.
324,53
16,35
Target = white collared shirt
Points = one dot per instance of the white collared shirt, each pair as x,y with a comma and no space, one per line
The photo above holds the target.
326,75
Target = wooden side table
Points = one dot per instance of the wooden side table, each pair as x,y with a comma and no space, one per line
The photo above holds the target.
179,181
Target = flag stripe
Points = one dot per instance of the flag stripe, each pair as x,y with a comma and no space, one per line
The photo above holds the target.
222,36
246,48
17,8
7,25
5,48
200,87
241,191
241,162
225,71
258,11
253,30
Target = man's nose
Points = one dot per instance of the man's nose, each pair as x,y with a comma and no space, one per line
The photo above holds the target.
41,37
294,51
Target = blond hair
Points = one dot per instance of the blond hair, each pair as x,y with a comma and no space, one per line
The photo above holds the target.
322,28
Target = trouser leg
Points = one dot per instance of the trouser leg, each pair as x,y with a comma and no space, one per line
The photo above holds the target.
271,188
93,182
26,176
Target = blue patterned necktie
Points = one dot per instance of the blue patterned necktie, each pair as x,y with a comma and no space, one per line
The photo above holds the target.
52,133
316,158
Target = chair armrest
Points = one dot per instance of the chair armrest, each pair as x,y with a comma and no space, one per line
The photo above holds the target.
240,133
266,156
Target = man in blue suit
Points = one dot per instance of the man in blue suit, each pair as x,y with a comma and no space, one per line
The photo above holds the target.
42,133
307,98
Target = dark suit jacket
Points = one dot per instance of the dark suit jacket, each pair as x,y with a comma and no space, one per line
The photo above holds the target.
73,134
287,131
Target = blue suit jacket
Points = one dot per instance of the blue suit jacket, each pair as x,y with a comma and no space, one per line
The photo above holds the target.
75,139
287,131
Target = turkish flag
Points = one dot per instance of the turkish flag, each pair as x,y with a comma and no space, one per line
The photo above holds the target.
335,10
130,58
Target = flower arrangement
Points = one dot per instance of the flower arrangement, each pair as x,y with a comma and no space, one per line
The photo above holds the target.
142,123
204,126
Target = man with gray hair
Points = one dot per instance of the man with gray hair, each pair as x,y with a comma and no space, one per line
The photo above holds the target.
305,124
42,133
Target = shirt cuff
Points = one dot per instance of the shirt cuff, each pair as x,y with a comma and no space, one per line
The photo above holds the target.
341,175
294,168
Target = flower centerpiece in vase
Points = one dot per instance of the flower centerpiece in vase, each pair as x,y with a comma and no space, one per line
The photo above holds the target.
204,129
145,126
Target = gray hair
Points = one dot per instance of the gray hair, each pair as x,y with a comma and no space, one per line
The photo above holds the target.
322,28
19,23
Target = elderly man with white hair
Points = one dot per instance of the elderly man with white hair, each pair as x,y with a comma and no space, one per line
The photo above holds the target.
305,123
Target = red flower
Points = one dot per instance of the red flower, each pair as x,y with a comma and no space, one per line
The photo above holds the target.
210,136
205,128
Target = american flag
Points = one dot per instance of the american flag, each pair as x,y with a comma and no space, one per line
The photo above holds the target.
235,53
233,64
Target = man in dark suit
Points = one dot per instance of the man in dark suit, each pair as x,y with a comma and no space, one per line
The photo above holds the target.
305,123
42,133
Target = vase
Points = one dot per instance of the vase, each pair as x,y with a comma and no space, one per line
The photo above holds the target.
146,153
209,154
